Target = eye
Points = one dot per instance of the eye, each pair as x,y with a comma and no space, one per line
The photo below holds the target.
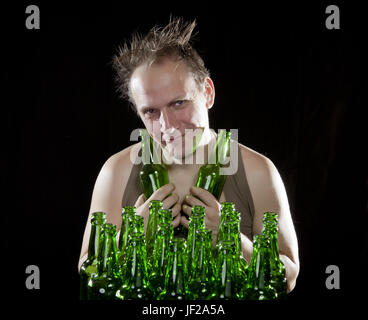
179,102
149,111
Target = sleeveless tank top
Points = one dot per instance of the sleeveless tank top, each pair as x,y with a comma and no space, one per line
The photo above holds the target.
236,190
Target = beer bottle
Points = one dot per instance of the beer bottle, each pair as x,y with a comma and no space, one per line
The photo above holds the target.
151,232
103,284
278,278
161,255
127,214
201,285
226,278
227,208
176,276
164,216
232,233
209,177
196,222
136,225
90,265
259,278
135,281
153,175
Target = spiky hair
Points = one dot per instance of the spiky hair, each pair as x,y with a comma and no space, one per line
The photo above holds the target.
171,41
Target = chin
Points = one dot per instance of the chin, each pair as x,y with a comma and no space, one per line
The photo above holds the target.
178,153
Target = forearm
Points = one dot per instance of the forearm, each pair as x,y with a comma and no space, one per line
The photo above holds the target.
247,247
291,270
81,260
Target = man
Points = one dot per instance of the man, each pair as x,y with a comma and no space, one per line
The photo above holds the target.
169,87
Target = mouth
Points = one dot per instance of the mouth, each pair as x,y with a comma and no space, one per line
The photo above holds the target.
171,139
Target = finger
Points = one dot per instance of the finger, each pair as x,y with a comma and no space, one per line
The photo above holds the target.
139,201
176,210
170,201
187,209
206,197
176,221
193,201
162,192
184,221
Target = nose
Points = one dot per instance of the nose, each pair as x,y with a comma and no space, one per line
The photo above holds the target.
167,120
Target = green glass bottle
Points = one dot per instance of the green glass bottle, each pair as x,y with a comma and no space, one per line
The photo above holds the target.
165,216
176,276
136,225
135,281
231,232
278,278
227,209
151,232
103,284
153,175
161,256
127,214
209,177
259,277
90,265
196,222
202,283
226,288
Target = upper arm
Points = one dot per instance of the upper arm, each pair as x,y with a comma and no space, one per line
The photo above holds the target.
269,194
108,192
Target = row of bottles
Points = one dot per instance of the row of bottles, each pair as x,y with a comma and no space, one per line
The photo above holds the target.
159,266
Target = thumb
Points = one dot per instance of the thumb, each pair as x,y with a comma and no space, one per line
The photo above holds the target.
139,201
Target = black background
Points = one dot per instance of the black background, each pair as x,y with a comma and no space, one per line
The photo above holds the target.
296,91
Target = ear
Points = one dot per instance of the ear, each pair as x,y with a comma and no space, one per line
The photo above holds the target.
209,90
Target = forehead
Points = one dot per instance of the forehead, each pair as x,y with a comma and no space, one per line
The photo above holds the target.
161,80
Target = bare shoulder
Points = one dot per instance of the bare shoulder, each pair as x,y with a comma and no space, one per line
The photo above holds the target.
121,163
112,179
256,164
124,157
266,186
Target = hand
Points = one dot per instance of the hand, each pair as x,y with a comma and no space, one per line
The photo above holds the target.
142,207
201,197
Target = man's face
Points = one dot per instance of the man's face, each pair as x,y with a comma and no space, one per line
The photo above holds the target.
170,102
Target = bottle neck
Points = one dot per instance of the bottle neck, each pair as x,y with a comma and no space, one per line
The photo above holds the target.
202,264
231,231
175,278
270,230
108,262
136,262
259,269
223,147
136,224
225,269
95,240
161,249
214,153
150,154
